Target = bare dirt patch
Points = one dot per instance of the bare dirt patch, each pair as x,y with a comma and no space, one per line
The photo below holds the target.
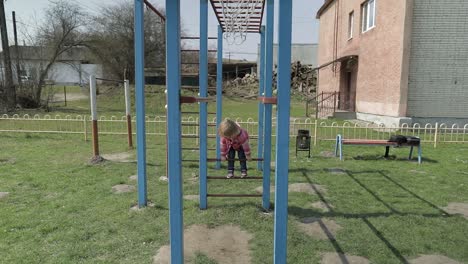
322,206
191,197
4,194
7,161
319,228
336,171
327,154
119,157
224,244
338,258
135,208
433,259
123,188
133,177
299,187
457,208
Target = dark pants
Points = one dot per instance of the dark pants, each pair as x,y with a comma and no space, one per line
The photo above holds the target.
232,156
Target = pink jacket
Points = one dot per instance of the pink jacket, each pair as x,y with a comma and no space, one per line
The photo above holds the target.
241,140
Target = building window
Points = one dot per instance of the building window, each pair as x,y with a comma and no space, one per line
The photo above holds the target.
350,25
368,15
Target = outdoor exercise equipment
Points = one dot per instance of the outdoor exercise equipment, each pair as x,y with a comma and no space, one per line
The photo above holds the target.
237,25
93,106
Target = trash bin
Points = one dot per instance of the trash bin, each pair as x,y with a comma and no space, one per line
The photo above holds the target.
303,141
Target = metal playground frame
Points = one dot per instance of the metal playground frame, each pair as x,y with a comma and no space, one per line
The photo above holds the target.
237,18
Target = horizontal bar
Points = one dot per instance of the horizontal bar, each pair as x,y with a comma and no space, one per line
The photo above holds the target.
193,37
110,80
193,100
268,100
254,159
190,50
234,195
195,87
195,136
196,149
210,125
210,113
233,178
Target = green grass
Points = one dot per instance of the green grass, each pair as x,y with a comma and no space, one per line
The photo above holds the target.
61,209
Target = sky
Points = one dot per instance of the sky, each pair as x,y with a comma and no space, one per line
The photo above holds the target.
305,26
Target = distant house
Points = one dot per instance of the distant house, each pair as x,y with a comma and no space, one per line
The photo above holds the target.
396,62
72,67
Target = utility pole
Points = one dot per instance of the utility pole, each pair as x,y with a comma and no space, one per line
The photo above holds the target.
9,93
18,68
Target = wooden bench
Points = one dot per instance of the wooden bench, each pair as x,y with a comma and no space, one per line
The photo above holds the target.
387,144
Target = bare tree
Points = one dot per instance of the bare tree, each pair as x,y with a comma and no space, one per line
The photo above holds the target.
7,91
62,30
112,39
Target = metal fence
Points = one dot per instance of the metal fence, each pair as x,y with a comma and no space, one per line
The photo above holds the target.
319,130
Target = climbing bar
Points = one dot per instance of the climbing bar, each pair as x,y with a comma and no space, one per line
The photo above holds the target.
210,125
196,88
192,100
189,37
190,50
268,100
195,136
150,6
110,80
234,195
254,159
233,178
196,149
210,113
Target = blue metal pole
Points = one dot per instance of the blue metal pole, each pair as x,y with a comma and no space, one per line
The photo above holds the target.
174,130
219,92
282,131
140,102
261,91
270,9
203,70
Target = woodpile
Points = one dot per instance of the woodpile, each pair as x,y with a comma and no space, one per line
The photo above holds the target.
303,78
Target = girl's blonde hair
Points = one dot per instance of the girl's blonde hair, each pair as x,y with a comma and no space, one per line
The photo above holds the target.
228,128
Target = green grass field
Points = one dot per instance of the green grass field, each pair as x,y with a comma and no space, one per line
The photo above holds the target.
61,209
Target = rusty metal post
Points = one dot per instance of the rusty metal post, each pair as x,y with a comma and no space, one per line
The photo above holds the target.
128,113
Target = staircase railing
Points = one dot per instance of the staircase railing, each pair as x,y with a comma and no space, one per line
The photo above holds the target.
324,104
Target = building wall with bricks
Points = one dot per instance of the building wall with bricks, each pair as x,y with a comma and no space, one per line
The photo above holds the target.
438,73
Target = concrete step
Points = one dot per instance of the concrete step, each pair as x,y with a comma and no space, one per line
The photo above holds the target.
345,115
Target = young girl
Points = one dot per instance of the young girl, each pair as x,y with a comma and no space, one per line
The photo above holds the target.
234,138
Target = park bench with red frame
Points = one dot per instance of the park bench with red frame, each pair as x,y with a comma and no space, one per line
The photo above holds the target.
385,143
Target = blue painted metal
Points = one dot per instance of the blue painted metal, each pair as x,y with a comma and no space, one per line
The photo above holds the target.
282,132
203,70
270,9
140,102
261,90
174,130
419,153
219,93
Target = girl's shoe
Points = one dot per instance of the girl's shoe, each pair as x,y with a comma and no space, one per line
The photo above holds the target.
230,174
243,174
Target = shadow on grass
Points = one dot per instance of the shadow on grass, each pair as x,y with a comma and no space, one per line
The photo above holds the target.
391,157
301,212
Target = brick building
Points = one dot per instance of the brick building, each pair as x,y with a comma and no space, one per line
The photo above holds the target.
396,62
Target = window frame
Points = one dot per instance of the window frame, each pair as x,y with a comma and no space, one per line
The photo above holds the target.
366,14
351,25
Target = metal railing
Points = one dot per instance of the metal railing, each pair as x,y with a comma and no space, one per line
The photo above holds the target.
324,104
320,130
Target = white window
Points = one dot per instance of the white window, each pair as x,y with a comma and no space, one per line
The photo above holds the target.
368,15
350,25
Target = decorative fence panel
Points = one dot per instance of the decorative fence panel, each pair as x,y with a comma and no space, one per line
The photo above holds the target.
319,130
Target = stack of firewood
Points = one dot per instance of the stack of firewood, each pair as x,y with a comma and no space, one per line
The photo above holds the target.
303,78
